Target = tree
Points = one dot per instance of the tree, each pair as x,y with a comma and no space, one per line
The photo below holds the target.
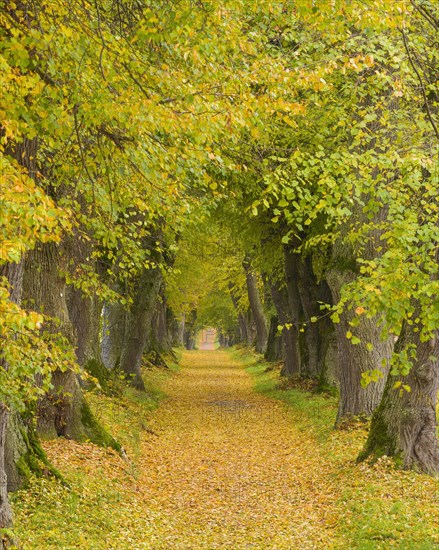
404,425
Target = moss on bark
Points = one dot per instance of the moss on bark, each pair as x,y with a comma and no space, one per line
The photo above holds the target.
98,371
34,461
94,431
379,442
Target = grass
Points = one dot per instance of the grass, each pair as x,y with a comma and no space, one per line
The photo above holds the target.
380,506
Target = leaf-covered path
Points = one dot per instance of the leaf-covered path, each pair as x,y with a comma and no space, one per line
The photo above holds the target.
228,468
221,466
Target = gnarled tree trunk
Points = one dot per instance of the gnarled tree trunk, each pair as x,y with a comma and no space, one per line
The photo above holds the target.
63,411
404,424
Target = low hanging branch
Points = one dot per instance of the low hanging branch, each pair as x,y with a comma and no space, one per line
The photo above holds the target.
421,83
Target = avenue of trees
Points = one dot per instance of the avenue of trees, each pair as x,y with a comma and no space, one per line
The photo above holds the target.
269,169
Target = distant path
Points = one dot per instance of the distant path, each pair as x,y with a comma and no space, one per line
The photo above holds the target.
208,337
206,346
228,469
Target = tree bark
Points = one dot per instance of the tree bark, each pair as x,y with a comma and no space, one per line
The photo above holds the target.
308,292
353,360
85,315
161,341
256,307
245,335
14,275
5,508
275,344
290,336
25,153
63,411
113,333
317,361
404,424
189,330
292,311
138,325
177,330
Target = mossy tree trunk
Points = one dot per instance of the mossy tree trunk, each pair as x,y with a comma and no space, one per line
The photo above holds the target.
161,339
25,153
404,424
24,455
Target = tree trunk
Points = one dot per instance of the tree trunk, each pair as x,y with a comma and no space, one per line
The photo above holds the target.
318,359
20,449
63,411
113,333
291,313
161,321
10,480
256,307
177,331
404,424
5,509
13,273
354,360
275,344
189,330
138,325
244,328
45,291
308,291
290,335
85,315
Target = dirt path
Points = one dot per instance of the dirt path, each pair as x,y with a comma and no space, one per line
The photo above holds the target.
228,469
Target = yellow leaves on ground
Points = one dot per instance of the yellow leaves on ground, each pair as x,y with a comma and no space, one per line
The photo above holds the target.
221,466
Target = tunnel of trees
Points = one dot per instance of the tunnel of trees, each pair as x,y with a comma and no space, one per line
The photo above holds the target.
267,169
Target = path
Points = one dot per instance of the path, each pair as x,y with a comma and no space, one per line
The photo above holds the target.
228,469
207,339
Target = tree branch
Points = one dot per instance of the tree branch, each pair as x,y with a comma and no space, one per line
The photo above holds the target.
424,94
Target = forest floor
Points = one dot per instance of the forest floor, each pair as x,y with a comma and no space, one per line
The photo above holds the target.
221,466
